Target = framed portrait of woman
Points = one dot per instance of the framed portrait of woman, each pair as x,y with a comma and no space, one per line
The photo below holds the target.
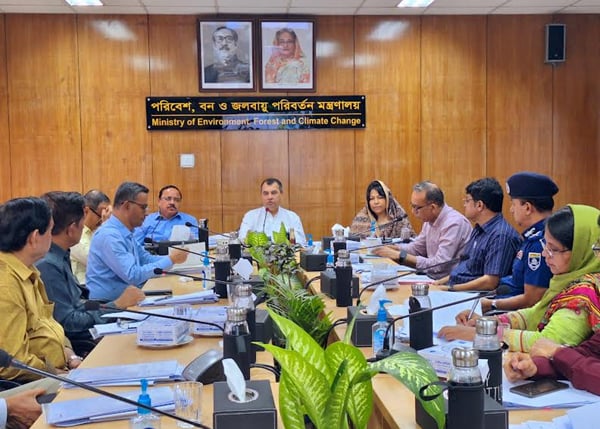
226,54
287,55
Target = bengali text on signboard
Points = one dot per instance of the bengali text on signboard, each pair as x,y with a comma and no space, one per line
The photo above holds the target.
255,113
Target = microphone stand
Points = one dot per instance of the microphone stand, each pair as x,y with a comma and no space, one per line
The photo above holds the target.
386,343
191,225
7,360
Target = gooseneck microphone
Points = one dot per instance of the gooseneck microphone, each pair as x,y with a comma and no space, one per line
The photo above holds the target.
159,271
406,273
6,361
384,225
501,290
201,228
96,305
265,219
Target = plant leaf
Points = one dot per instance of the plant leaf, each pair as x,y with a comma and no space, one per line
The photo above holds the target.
290,406
300,341
311,384
414,371
280,237
335,409
360,403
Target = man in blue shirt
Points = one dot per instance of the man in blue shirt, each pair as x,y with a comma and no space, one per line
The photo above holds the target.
531,203
116,260
493,242
158,226
61,284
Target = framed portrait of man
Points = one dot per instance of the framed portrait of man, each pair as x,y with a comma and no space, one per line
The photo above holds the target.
287,55
226,54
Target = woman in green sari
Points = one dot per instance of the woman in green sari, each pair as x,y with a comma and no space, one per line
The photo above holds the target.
565,314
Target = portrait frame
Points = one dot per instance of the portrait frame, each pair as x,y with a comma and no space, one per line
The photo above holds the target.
287,69
219,74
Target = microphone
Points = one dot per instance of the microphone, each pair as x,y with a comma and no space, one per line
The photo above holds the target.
265,220
6,360
201,228
97,305
159,271
460,258
183,249
151,235
385,225
501,290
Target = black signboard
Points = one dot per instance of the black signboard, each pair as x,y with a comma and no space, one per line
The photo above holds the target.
255,113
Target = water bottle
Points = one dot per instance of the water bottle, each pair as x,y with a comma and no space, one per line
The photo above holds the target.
206,271
372,233
487,343
243,299
421,325
343,279
222,267
465,391
338,243
292,236
236,339
235,247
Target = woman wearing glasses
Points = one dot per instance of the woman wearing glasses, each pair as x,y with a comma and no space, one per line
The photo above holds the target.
548,359
568,311
382,213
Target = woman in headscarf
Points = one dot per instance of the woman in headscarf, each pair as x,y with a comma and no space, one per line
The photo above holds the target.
568,310
383,212
548,359
287,63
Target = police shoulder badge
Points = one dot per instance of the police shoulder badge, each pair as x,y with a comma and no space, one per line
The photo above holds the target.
534,260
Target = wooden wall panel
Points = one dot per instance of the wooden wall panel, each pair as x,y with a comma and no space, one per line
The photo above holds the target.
321,162
43,99
5,171
387,57
453,100
173,71
114,79
576,113
249,157
519,97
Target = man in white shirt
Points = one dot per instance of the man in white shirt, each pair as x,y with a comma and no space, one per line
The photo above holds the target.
270,216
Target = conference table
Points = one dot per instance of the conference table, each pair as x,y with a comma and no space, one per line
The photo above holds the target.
393,403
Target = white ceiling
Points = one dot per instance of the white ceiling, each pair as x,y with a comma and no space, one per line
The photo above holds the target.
306,7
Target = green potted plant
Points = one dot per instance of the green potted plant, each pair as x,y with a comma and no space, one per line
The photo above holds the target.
285,291
332,386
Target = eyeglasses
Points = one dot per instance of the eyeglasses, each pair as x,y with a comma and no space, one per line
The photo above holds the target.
174,199
95,212
467,200
596,248
550,252
142,206
417,208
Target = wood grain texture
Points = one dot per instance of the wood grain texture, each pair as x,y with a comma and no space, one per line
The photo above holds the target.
453,100
388,71
576,113
43,102
5,171
114,79
173,65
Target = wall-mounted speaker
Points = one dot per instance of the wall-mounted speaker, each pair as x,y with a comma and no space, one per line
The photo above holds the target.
556,37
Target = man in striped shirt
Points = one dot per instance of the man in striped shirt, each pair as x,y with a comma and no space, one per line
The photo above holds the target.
493,242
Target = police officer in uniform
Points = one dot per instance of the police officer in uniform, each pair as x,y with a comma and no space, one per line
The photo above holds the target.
531,203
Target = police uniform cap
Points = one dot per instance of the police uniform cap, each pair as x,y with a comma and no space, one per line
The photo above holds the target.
530,185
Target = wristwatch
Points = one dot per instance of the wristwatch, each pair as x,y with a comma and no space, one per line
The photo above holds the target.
402,255
494,305
72,358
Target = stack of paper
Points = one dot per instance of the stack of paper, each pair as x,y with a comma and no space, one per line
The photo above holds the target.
101,330
213,314
102,408
167,370
204,296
